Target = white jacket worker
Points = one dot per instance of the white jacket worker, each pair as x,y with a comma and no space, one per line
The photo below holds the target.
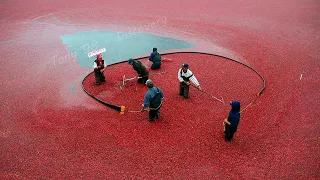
185,76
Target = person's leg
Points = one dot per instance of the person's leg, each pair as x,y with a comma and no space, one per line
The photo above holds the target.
152,115
181,89
97,77
155,65
186,92
103,78
232,131
158,113
227,133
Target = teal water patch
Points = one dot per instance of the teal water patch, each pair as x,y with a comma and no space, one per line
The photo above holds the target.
119,45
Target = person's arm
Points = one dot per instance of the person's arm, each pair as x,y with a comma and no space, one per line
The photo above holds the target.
161,93
105,65
179,75
226,121
194,80
146,101
151,56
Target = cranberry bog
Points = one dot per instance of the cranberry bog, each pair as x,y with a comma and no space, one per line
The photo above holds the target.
51,129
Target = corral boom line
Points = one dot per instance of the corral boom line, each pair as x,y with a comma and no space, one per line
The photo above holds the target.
118,108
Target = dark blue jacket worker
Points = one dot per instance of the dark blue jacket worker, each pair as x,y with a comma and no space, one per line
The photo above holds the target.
153,101
232,122
155,58
143,74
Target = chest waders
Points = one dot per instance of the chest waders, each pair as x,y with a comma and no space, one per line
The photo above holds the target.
185,78
184,88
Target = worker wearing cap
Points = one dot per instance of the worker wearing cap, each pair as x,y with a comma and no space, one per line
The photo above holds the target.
143,74
185,76
99,66
155,58
152,101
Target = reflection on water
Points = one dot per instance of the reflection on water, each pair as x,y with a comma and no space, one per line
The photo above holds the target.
119,45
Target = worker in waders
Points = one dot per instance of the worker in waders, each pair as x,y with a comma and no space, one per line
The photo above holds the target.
185,76
231,123
143,74
152,101
155,58
99,65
